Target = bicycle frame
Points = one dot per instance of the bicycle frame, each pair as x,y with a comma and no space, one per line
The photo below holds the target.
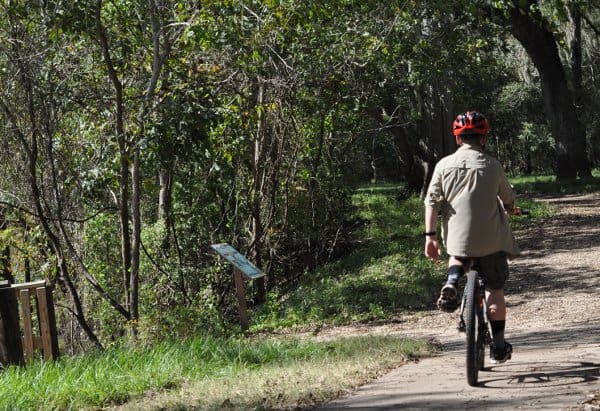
476,326
487,330
484,311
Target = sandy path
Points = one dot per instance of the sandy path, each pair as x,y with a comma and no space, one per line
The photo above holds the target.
553,324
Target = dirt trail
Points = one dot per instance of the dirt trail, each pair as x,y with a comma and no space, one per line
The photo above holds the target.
553,324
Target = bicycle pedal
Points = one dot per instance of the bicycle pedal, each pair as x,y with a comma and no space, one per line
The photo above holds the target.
462,327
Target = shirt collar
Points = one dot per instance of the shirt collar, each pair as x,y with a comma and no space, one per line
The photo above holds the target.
476,147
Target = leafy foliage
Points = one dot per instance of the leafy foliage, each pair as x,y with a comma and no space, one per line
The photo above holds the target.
385,274
250,123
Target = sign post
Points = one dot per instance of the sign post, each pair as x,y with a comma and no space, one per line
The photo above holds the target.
242,269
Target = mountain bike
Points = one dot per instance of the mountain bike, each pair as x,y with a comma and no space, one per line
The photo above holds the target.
473,320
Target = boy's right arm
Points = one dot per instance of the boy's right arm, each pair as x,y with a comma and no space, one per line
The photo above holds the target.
433,201
432,246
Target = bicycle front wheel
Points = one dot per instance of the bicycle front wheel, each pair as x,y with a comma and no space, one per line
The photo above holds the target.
472,311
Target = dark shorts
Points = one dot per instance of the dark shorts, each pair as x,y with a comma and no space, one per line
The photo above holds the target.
493,269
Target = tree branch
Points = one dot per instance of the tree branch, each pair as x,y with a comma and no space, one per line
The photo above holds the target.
589,22
70,220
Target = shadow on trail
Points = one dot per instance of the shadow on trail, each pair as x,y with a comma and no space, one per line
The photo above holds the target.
567,231
543,373
421,401
538,277
579,369
571,237
573,334
450,401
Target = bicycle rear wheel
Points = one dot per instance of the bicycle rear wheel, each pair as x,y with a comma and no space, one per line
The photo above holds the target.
472,319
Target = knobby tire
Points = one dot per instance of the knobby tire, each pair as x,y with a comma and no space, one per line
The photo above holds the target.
474,342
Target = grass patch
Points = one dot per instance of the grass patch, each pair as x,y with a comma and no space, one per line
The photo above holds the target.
208,372
548,185
385,274
336,367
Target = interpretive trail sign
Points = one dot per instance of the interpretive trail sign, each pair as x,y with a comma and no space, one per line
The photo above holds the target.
241,268
238,260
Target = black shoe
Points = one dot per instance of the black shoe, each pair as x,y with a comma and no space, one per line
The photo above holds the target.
448,301
500,355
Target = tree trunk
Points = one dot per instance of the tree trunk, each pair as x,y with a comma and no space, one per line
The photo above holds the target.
569,132
135,239
576,56
165,182
57,249
56,246
258,195
5,255
6,268
437,140
123,202
411,168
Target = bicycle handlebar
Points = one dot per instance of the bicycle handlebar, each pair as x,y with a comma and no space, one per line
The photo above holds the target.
520,211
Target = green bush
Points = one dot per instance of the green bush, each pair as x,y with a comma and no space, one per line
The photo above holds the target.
384,274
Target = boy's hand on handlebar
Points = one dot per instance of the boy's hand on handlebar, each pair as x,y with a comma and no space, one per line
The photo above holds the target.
519,211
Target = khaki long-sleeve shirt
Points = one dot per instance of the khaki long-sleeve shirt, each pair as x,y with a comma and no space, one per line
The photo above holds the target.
470,188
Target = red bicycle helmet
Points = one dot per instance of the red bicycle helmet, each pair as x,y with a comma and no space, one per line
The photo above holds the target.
471,122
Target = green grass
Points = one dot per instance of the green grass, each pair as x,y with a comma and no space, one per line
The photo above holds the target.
385,274
117,375
530,187
548,185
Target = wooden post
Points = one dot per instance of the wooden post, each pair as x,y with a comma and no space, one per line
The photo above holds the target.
11,347
52,322
240,290
28,344
44,323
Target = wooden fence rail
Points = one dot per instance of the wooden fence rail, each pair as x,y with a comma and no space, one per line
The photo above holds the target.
37,309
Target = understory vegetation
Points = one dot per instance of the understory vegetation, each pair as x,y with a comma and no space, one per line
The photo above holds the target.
385,273
245,373
135,135
539,185
382,276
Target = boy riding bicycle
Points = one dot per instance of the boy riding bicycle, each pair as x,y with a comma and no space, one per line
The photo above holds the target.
471,191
